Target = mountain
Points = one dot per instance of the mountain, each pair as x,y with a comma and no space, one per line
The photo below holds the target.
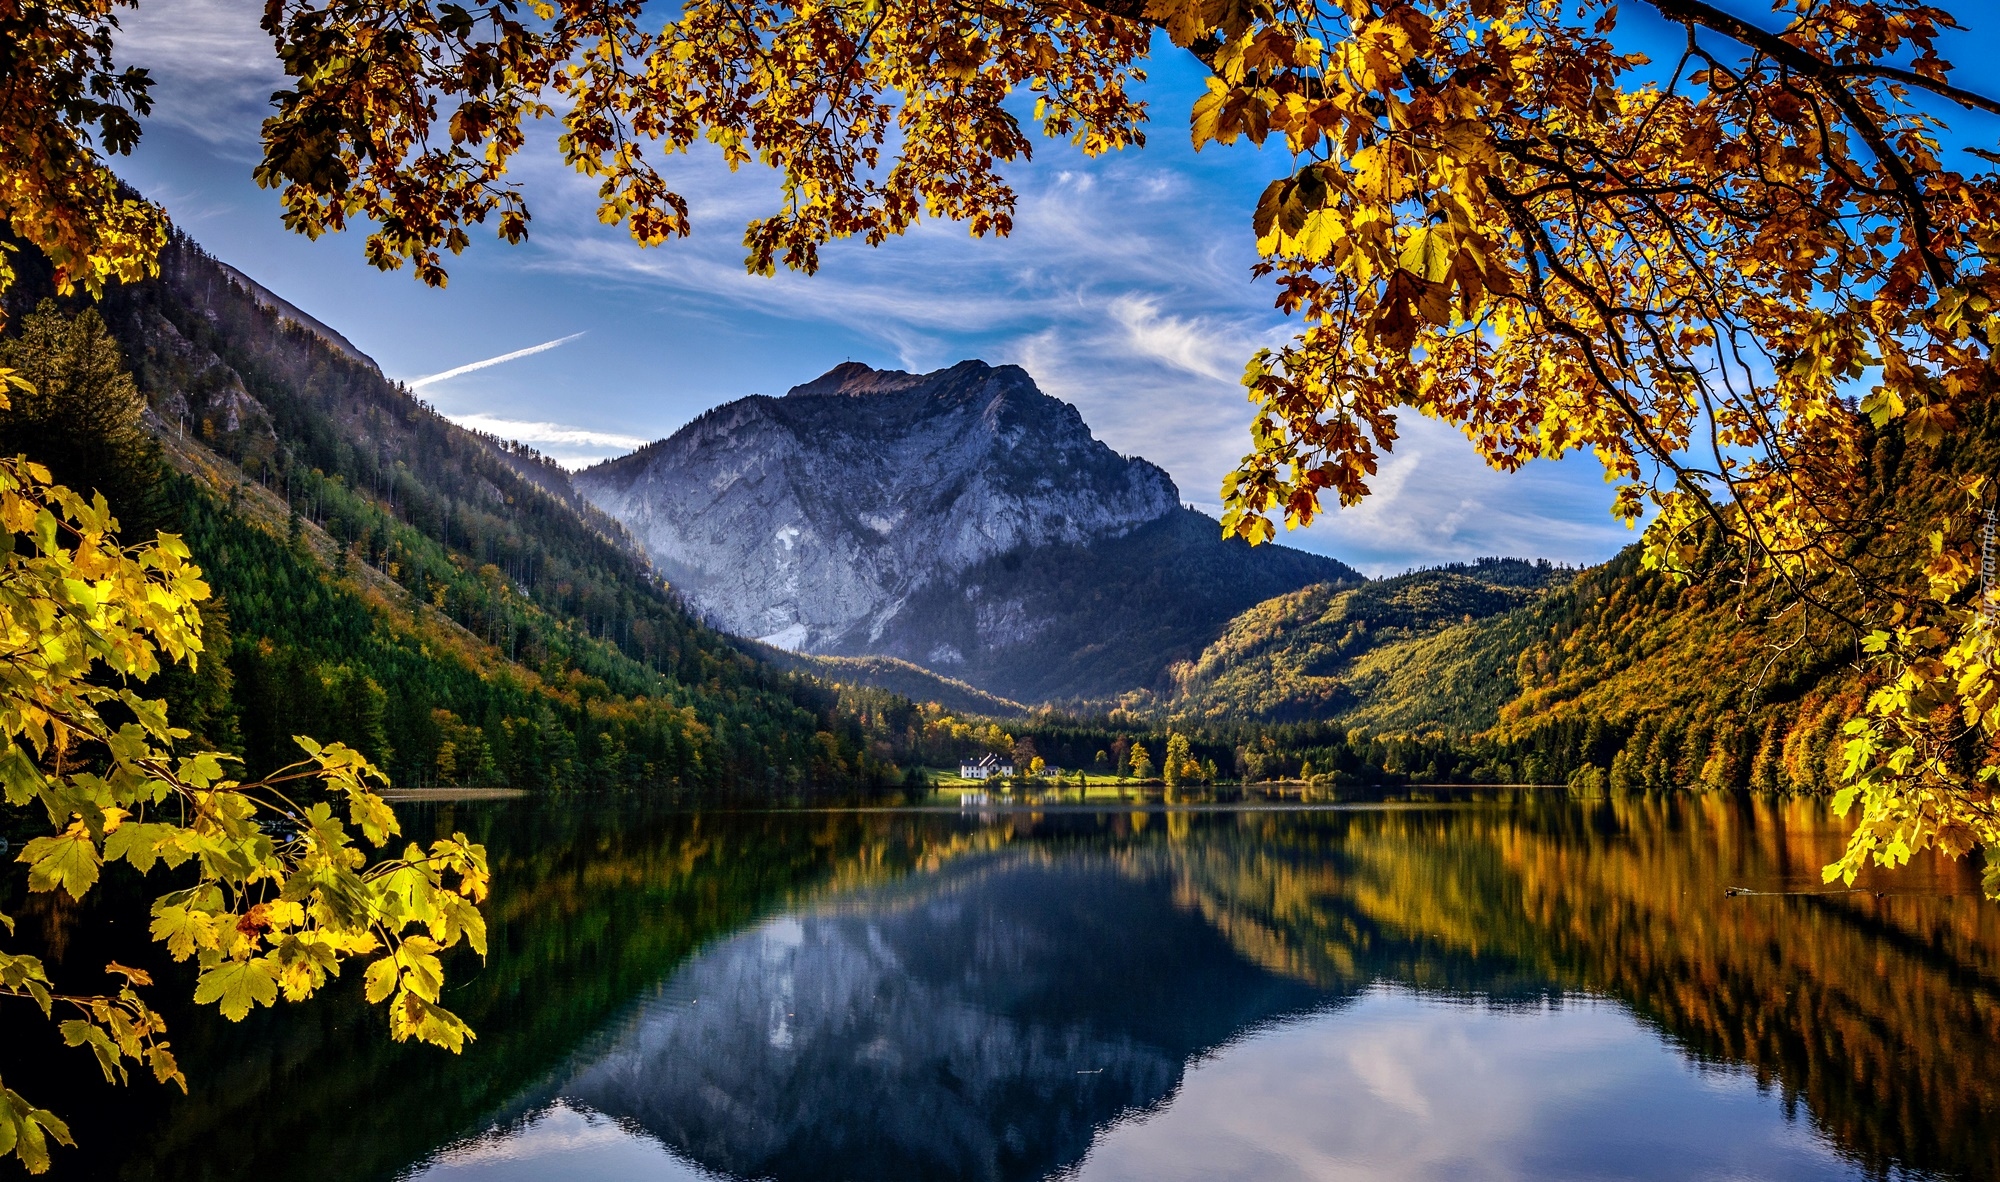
806,521
1414,652
961,520
439,600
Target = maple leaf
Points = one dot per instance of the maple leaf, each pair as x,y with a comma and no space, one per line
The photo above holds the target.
185,930
68,860
25,1129
138,843
237,986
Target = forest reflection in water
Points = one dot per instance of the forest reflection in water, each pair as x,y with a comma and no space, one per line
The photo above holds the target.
1521,986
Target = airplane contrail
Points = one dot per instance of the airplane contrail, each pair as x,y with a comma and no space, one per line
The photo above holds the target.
517,354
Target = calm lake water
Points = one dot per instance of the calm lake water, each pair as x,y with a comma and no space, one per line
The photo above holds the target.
1520,986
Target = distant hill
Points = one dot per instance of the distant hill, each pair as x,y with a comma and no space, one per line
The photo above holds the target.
960,520
1417,651
1615,676
1626,677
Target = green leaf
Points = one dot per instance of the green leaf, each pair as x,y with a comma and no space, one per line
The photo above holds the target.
22,1129
137,843
184,929
20,779
76,1032
203,769
237,986
68,860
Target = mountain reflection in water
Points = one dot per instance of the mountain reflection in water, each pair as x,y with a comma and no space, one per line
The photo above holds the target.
1525,991
1519,988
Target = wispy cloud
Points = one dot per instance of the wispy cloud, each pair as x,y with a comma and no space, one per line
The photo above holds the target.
524,431
569,445
516,355
1186,344
215,69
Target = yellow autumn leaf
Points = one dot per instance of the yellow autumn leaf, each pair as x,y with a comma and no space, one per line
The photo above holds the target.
380,980
68,860
1427,254
238,986
184,931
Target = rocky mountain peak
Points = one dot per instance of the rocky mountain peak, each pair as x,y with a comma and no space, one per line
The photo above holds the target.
809,520
853,379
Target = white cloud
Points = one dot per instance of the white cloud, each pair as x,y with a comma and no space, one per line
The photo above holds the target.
1185,344
524,431
214,68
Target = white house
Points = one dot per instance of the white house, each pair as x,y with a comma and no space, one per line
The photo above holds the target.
986,768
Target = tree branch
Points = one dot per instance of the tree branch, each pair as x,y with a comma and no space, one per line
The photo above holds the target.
1829,77
1964,98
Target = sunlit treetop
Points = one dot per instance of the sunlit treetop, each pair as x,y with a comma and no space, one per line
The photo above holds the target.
873,114
62,104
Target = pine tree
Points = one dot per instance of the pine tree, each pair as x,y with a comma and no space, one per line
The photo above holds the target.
82,417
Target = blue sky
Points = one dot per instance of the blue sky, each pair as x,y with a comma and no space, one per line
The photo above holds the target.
1124,289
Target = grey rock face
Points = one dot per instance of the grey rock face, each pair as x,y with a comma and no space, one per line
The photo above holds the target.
808,521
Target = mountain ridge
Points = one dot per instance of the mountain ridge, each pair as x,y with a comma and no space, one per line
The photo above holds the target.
961,520
741,506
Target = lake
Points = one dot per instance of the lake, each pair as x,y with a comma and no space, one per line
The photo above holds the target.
1498,985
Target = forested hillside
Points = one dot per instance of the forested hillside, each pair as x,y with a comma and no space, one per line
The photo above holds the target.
386,578
1632,678
893,676
1409,652
1617,676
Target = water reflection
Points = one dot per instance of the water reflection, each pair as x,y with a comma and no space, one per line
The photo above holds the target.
1518,988
981,1030
1531,991
1405,1087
